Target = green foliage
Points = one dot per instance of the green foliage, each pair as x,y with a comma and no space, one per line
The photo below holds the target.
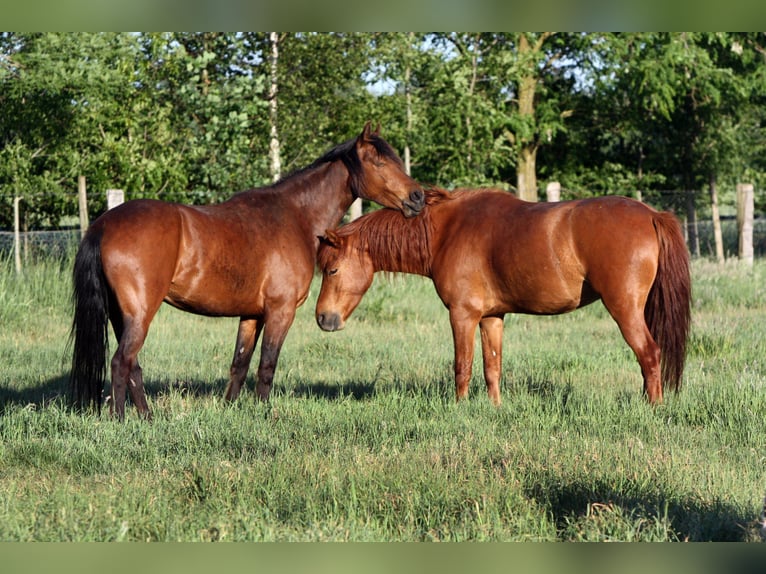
185,116
666,111
362,440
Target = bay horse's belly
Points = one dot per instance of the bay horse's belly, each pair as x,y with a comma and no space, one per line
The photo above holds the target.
222,290
239,271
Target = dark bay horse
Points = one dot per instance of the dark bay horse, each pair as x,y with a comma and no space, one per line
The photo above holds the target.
252,257
489,253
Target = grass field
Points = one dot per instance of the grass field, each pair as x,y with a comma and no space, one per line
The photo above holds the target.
362,439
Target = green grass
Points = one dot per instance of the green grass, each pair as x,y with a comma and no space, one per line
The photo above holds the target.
362,439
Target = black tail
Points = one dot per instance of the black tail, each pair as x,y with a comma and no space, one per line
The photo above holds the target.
90,299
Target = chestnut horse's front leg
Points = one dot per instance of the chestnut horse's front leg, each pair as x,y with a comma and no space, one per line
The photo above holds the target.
463,324
492,353
247,336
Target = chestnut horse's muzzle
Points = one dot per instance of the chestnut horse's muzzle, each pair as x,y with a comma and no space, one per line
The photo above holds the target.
416,202
329,321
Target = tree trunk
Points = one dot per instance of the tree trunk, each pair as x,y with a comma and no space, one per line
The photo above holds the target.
469,113
408,105
274,146
716,220
526,177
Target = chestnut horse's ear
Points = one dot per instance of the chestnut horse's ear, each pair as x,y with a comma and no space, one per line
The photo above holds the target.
330,238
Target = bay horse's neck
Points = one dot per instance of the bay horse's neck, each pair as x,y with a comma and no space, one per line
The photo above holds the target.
319,196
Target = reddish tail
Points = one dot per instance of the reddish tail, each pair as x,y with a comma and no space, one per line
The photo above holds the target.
668,308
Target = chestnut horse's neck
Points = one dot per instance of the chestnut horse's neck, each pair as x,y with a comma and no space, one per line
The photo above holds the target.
394,243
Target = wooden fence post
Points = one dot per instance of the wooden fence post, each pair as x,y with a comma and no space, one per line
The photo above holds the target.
114,197
717,233
16,234
745,211
355,211
82,200
553,191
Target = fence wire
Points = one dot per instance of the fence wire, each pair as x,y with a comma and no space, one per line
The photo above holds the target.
57,243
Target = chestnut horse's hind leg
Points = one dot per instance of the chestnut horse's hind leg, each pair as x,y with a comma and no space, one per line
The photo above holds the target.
492,353
639,339
247,337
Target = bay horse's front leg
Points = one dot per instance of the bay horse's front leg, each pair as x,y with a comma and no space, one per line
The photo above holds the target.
247,337
463,324
492,354
275,330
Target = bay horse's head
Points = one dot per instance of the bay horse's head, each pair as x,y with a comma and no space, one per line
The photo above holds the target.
347,274
380,177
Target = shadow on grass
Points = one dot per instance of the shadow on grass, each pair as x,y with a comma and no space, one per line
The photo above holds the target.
54,389
357,390
689,518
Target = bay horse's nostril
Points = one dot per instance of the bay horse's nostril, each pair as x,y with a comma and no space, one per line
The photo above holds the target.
417,197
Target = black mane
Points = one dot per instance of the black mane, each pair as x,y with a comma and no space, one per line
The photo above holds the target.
346,152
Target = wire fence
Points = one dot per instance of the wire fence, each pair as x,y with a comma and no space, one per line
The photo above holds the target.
58,243
40,244
64,240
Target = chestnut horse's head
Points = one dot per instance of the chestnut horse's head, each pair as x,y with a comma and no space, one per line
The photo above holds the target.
380,177
347,273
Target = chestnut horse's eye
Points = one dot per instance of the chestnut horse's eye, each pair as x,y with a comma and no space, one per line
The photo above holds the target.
332,271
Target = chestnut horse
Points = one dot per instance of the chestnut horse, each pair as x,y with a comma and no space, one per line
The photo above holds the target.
252,257
489,253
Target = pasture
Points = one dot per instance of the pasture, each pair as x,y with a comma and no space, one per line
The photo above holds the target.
362,440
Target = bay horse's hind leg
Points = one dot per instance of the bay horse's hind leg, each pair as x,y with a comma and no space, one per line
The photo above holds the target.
135,381
247,336
276,325
126,370
636,334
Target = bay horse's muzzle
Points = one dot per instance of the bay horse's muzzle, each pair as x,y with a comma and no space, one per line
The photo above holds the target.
329,321
416,202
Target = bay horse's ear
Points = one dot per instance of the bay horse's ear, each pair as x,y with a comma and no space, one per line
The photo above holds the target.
330,238
366,132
